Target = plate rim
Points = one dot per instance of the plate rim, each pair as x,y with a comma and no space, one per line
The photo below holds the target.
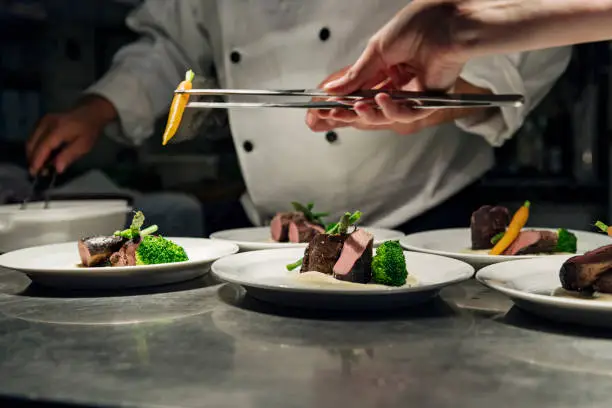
469,272
283,245
482,257
536,298
115,271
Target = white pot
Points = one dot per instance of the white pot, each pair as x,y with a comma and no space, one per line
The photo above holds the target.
63,221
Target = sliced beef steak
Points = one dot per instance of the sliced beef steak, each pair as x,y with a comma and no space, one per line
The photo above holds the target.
322,253
487,222
303,231
533,242
96,251
279,226
126,256
581,272
355,261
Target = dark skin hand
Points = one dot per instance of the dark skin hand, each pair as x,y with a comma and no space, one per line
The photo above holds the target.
77,130
366,118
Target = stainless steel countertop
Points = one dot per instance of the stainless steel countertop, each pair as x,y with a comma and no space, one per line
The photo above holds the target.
203,346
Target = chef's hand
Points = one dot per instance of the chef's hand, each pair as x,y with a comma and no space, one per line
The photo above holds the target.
367,118
77,129
414,51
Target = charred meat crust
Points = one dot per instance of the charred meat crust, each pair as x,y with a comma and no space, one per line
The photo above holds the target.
487,222
347,257
582,272
322,253
97,250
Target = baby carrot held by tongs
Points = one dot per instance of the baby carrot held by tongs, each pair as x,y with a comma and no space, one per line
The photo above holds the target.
514,229
605,228
179,102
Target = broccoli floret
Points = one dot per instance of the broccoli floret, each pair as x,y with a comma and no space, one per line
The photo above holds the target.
389,264
135,228
566,241
155,249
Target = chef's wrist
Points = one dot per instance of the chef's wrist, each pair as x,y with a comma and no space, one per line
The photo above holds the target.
99,110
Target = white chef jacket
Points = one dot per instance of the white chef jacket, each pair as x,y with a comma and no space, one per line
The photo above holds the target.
275,44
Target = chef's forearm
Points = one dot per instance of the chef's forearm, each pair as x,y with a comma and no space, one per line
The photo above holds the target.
495,27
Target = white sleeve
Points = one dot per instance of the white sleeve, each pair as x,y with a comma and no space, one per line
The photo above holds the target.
531,74
144,74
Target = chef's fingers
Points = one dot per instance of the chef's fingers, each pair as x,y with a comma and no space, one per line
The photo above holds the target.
71,152
52,140
343,115
368,66
41,129
322,125
369,115
397,112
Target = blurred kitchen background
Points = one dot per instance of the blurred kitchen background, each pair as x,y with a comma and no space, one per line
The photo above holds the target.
51,50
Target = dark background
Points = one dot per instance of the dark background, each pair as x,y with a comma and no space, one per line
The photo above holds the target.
50,50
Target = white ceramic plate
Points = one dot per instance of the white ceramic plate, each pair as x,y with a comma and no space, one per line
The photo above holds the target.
531,283
456,243
57,265
258,238
264,275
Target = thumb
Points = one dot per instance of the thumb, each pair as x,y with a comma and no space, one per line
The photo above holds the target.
368,66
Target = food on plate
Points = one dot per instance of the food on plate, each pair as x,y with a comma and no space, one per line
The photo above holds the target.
486,223
492,230
177,108
389,264
604,228
349,256
130,247
297,226
591,271
513,231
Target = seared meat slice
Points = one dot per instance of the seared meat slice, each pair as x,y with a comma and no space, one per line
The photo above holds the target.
322,253
303,231
126,255
581,272
355,262
97,250
279,227
533,242
487,222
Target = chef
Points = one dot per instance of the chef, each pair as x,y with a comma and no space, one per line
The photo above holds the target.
393,174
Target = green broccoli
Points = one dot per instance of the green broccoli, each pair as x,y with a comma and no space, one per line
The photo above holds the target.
389,265
155,249
566,241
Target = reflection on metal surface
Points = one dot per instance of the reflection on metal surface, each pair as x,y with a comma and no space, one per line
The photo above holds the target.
21,300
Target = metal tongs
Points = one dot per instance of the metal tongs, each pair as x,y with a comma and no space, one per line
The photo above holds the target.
417,100
47,172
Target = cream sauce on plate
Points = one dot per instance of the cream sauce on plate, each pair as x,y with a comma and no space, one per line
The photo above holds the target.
486,252
321,279
602,297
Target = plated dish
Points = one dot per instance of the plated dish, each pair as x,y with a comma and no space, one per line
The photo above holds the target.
130,258
339,269
292,229
495,237
131,247
576,288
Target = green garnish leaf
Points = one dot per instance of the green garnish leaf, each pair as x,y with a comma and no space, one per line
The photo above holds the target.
497,238
295,265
